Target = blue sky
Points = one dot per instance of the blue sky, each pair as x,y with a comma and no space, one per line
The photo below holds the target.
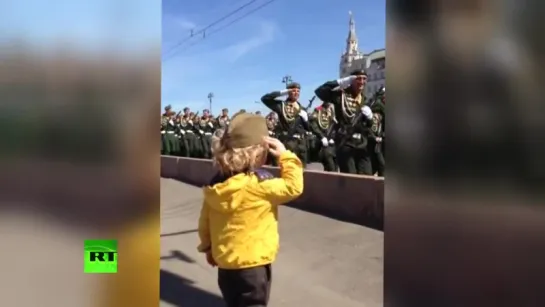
300,38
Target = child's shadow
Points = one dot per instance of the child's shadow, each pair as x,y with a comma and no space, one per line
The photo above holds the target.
181,292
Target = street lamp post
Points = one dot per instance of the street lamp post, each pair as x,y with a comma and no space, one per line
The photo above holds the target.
210,96
287,79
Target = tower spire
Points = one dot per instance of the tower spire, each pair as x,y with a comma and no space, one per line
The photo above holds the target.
352,28
352,39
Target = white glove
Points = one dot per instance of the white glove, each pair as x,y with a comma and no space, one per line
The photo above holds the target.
211,125
190,122
201,132
345,82
325,142
270,133
303,115
171,122
182,131
331,142
367,112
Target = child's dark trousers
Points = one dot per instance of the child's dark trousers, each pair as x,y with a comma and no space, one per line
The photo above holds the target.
246,287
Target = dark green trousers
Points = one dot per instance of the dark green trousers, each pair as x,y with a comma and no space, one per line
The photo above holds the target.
327,157
354,160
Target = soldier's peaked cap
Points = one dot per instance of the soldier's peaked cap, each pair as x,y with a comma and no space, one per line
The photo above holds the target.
293,85
225,109
358,72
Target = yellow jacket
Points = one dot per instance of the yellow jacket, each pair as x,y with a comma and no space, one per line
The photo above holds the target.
239,216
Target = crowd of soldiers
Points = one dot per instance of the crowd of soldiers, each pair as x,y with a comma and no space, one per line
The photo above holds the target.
345,133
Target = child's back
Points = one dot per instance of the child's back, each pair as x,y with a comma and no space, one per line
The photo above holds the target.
238,226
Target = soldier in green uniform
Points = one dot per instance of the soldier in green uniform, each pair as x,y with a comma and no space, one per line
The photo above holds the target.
179,135
322,123
171,143
188,135
271,126
292,119
164,122
223,120
206,129
197,146
376,139
354,119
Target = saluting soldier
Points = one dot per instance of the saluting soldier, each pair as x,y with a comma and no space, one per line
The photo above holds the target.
206,130
223,120
197,149
171,143
179,135
187,130
164,123
322,123
271,126
292,119
376,139
353,121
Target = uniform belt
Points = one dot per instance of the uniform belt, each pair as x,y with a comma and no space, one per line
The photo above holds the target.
189,131
163,132
170,132
208,133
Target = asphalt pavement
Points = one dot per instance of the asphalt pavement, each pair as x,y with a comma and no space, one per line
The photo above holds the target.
322,262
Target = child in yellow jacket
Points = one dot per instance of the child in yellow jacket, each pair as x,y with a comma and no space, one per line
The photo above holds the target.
238,226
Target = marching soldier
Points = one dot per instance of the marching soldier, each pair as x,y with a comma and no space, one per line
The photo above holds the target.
187,130
206,129
321,124
271,126
223,119
376,139
292,119
353,121
197,149
164,123
170,142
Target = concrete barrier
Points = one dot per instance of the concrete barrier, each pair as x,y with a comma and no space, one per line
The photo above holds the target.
352,198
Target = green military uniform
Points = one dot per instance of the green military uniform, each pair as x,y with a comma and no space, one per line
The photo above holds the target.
206,128
353,123
179,135
271,126
322,124
197,145
223,120
292,122
164,121
376,139
188,132
171,144
190,138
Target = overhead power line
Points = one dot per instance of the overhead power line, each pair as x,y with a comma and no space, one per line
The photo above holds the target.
203,30
173,52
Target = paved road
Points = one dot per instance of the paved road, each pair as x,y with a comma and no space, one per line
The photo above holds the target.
322,262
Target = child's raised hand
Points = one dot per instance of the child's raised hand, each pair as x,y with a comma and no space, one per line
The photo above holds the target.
276,148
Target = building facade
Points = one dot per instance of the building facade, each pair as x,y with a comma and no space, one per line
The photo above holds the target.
374,62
